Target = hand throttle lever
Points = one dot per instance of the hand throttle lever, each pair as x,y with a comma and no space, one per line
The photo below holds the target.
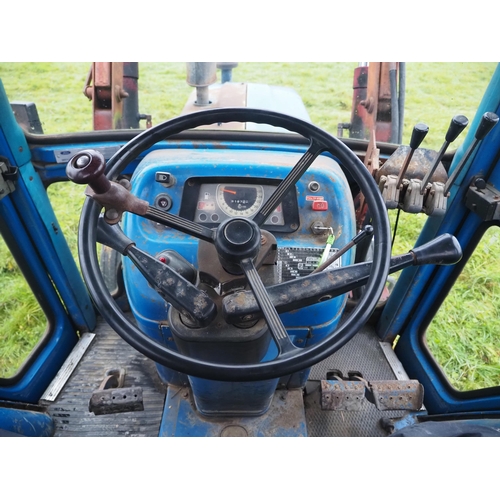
88,166
314,288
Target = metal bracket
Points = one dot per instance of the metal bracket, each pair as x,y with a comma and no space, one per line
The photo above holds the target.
389,190
112,397
435,202
484,200
8,176
412,199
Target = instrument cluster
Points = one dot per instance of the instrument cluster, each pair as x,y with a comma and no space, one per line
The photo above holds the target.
210,203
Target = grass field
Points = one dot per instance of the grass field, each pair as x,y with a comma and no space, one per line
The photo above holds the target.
464,343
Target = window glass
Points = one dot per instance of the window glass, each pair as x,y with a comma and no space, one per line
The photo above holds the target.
22,321
463,336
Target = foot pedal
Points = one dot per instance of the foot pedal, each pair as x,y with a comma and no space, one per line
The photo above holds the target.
112,397
344,395
396,394
349,394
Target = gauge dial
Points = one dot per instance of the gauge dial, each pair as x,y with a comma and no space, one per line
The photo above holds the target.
240,199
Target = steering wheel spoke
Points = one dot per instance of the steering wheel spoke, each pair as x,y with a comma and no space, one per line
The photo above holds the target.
182,225
290,180
278,331
169,284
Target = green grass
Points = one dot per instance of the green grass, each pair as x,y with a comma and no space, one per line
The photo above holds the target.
464,335
22,323
464,343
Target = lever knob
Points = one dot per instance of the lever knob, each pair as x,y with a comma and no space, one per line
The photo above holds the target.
87,167
443,250
457,124
417,136
488,121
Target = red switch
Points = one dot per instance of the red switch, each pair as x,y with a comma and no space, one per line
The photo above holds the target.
320,205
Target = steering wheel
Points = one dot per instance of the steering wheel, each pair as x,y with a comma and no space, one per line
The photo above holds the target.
236,241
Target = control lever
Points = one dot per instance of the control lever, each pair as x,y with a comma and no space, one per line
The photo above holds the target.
366,231
88,166
457,124
315,288
488,121
168,281
417,136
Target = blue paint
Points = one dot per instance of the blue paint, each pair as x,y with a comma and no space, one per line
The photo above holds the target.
306,326
31,200
148,307
13,143
26,423
180,419
419,291
36,374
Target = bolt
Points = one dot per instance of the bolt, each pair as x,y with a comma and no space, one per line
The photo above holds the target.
112,213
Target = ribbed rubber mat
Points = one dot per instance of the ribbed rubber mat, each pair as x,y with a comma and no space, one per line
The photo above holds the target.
362,354
70,410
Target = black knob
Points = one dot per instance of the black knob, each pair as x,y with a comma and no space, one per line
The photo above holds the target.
479,183
488,121
457,124
237,239
417,136
442,250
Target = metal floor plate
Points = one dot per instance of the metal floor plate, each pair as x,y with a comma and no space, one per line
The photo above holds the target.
72,417
70,410
364,354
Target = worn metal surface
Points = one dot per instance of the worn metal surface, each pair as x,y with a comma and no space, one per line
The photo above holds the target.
70,411
421,162
104,87
67,368
123,399
346,395
285,418
363,354
394,363
350,395
396,395
484,201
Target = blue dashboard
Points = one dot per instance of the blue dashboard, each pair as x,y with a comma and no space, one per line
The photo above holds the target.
210,185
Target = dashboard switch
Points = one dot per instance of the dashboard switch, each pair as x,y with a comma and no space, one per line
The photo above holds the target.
165,178
320,205
163,202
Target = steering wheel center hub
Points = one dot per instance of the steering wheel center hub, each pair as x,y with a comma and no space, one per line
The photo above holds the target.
235,240
238,232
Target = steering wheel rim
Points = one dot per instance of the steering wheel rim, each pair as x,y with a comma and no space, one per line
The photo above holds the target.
282,365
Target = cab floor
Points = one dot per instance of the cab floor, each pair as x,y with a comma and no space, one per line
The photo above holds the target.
72,417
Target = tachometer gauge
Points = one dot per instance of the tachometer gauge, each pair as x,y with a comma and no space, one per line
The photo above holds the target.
240,200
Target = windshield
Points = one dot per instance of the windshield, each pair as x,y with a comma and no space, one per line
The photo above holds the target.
84,96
